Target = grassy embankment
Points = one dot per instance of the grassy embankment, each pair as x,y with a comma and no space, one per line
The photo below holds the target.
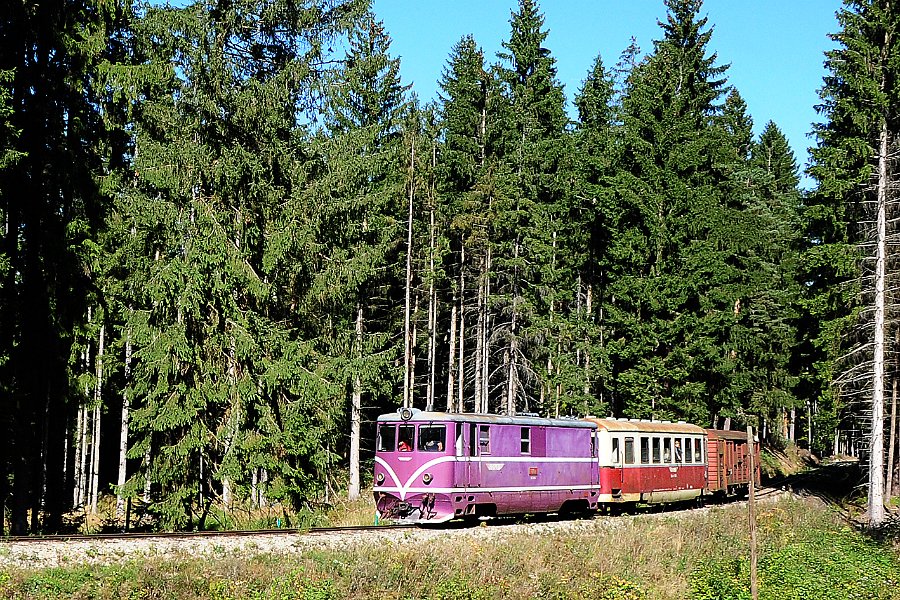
807,552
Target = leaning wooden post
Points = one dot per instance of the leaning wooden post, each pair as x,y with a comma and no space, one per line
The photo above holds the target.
754,592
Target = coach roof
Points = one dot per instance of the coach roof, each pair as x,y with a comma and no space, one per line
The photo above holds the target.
419,416
641,426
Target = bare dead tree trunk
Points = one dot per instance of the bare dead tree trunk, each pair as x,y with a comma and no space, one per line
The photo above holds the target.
432,320
451,369
123,431
95,441
407,332
486,347
461,371
876,436
512,381
356,412
479,342
412,356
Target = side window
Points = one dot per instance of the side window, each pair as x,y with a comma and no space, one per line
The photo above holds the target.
656,455
484,439
526,440
473,442
406,438
667,450
432,438
614,458
645,451
629,451
698,451
688,449
459,438
387,438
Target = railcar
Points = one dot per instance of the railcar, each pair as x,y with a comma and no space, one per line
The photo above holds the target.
431,467
650,461
728,453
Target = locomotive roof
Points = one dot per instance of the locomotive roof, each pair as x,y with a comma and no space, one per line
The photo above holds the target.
646,426
419,416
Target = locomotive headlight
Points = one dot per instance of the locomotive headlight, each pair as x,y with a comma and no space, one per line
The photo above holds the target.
380,478
427,478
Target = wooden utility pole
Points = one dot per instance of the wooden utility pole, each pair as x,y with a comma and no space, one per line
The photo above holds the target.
754,592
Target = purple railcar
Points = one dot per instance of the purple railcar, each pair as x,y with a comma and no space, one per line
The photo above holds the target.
431,467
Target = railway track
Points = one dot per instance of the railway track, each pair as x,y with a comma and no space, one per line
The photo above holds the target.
174,535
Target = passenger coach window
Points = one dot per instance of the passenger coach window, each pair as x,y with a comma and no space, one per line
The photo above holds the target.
656,449
615,451
688,449
645,451
677,450
526,440
484,439
432,437
386,438
629,451
667,450
407,434
698,451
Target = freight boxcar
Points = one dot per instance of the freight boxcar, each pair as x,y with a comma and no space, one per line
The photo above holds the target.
729,462
432,466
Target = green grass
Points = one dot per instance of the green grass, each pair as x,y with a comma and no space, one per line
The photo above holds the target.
806,552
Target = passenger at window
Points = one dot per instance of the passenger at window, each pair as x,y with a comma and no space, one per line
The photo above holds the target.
678,451
404,446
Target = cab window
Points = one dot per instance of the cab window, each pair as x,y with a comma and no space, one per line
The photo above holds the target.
387,435
484,439
698,451
525,445
432,438
405,438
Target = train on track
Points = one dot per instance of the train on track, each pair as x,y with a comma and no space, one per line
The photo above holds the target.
431,467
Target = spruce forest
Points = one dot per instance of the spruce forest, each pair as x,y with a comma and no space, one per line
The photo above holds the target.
232,236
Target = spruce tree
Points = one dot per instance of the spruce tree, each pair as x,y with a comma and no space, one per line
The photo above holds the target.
853,169
228,393
668,301
535,280
53,211
360,223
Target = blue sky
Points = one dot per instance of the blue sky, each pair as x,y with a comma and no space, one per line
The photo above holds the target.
775,47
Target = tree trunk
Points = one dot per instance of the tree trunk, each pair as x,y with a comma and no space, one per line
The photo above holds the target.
123,431
356,411
876,427
432,320
461,371
95,439
479,343
407,332
486,348
451,368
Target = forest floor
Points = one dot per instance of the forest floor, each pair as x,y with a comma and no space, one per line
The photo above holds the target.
808,549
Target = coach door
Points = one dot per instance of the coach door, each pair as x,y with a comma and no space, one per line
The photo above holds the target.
473,464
